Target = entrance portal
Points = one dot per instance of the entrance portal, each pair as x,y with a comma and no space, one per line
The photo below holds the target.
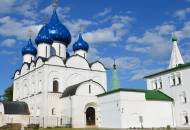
90,116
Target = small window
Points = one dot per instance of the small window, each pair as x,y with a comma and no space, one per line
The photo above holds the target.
156,85
179,80
173,79
183,98
55,86
89,88
53,111
186,119
59,49
160,84
46,51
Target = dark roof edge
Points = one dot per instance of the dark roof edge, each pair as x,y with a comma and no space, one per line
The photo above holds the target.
180,66
121,89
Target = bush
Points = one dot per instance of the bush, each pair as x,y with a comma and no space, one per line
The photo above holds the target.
33,126
168,127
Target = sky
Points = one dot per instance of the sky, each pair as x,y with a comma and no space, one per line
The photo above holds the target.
137,33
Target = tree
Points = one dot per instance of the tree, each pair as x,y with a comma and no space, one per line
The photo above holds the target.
8,94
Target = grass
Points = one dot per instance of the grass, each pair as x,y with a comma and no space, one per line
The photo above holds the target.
70,129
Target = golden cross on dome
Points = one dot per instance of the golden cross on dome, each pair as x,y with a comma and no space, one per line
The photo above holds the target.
54,3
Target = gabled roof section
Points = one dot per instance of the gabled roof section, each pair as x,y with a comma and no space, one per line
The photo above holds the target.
179,67
155,95
121,89
71,90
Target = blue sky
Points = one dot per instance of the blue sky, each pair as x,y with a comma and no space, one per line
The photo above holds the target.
137,33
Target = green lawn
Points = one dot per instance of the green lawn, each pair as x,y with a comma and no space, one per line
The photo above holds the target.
72,129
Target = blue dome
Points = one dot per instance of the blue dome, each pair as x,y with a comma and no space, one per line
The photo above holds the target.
44,36
80,44
29,49
58,31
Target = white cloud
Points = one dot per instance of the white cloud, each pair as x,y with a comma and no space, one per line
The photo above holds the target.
104,12
12,27
153,42
8,42
126,63
182,13
139,74
184,32
6,6
114,33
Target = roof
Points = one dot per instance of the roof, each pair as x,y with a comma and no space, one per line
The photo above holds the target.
15,107
179,67
71,90
149,94
157,95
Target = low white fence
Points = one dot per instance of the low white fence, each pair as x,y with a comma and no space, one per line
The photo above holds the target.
48,121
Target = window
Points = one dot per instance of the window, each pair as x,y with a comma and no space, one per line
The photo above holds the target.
156,85
183,98
53,111
89,88
173,81
59,49
38,112
179,80
55,86
160,84
185,119
46,51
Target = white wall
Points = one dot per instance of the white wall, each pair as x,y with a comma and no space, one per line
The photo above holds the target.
175,92
126,107
35,85
28,58
44,50
23,119
59,49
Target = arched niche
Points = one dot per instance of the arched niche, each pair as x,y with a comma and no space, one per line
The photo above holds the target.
55,60
55,82
77,61
17,74
24,69
32,66
74,79
39,62
97,66
90,88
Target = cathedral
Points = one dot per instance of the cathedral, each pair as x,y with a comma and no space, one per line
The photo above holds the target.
54,88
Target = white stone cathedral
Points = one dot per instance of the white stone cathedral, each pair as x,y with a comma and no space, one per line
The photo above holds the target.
53,88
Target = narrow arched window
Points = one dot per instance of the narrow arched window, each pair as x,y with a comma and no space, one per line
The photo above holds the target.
55,86
53,112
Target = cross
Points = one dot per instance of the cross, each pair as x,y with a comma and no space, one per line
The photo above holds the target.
44,19
81,29
30,32
54,3
114,65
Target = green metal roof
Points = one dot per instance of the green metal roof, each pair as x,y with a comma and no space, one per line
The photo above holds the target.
115,83
179,67
149,94
157,95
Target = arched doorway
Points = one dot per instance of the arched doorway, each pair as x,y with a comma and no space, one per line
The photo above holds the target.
90,116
